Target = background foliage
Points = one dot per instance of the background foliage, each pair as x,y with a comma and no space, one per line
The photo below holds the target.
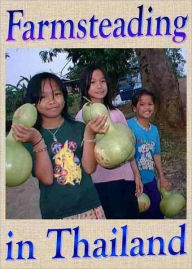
116,62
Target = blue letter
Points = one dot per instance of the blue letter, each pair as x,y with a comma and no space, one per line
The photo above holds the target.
103,248
113,244
20,250
63,28
30,31
179,34
102,25
120,28
76,244
182,242
41,26
124,241
139,247
159,20
11,23
9,244
59,241
139,20
82,29
151,244
92,21
149,22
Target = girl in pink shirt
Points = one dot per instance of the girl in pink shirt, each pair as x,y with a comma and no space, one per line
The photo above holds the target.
117,188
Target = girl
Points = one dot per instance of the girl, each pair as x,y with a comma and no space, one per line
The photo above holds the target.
148,150
116,187
60,164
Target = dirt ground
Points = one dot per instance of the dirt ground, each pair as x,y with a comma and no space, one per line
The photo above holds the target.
22,202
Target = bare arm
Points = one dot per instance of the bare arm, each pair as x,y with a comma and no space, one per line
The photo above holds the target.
139,184
164,183
97,125
88,158
43,166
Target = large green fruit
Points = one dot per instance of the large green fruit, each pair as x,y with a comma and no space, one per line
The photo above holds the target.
143,202
18,159
117,145
18,163
90,110
25,115
172,203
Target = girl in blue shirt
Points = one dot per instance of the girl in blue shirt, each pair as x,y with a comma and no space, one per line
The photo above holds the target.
148,150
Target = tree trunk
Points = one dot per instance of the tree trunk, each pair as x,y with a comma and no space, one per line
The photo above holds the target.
158,77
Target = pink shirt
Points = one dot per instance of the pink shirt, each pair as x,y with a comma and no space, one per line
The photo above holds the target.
123,172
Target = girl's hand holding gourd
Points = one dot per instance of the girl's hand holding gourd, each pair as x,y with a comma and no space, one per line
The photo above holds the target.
96,126
25,134
164,183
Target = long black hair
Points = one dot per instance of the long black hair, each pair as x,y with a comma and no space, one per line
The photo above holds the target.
34,93
85,82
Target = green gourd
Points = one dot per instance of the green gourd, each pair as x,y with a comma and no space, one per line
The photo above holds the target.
143,202
18,159
90,110
117,145
172,203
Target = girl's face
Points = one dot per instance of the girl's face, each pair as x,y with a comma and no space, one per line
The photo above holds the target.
52,101
98,87
145,107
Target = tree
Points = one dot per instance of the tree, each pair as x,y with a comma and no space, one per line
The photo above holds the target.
14,95
157,76
177,61
159,68
116,62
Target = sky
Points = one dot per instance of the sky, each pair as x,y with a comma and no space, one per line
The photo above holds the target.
27,62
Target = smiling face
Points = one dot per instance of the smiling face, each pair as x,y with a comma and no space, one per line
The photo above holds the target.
98,87
145,107
52,101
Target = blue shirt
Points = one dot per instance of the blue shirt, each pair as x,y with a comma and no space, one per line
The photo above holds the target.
147,145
